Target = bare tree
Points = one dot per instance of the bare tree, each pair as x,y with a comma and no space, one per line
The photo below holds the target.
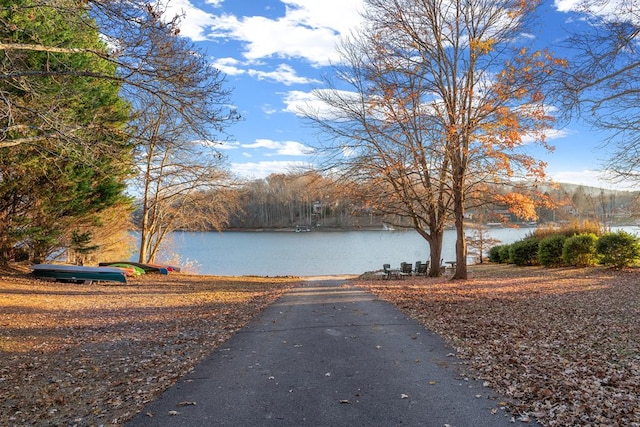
442,97
174,169
603,82
384,139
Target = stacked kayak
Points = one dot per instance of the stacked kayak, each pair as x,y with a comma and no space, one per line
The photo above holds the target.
79,273
131,270
147,268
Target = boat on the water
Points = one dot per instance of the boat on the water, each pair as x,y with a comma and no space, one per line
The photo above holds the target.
79,273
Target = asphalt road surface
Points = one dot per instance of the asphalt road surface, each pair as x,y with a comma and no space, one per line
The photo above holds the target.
329,354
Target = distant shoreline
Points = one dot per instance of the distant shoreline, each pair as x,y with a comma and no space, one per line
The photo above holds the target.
469,226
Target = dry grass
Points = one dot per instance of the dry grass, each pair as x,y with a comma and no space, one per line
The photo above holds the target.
563,344
95,354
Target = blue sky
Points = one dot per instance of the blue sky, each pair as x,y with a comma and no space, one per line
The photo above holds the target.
273,53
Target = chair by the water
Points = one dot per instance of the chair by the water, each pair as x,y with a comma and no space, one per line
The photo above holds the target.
405,269
422,268
388,272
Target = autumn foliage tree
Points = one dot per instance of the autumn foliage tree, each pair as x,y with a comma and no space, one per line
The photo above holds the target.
384,140
445,94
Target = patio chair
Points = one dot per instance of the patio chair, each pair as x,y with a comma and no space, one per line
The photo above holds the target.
388,272
416,269
405,269
422,268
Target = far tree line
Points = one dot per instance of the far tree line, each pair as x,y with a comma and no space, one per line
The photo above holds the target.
109,117
290,200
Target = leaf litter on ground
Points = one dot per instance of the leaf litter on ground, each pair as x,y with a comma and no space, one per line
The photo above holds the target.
96,354
562,344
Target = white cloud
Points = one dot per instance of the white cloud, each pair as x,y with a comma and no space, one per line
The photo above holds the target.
259,170
194,21
286,38
299,102
339,15
296,101
226,145
613,10
566,5
280,148
268,109
230,66
549,134
310,29
283,74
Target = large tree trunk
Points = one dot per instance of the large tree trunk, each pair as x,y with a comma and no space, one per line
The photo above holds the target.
458,215
435,245
461,249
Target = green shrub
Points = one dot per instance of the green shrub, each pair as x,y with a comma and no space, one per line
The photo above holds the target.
494,254
550,250
505,257
524,252
618,250
580,250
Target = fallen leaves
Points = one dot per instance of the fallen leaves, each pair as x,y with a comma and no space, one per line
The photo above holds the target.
96,354
563,344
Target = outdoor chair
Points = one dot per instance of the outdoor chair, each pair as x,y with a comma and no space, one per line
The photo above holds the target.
388,272
422,268
405,269
416,269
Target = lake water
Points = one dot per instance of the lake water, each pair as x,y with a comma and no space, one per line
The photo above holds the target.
309,254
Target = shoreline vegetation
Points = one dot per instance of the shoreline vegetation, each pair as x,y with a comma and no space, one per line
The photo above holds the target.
561,345
377,227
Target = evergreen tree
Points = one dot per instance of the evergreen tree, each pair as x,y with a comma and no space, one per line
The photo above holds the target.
61,164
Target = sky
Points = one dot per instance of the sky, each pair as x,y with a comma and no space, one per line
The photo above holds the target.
274,53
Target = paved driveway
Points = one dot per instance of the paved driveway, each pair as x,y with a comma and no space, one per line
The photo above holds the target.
328,354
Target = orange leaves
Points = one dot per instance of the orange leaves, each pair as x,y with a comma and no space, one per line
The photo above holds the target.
482,47
520,205
537,96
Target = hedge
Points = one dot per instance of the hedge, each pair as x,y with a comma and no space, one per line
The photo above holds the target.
618,250
550,250
580,250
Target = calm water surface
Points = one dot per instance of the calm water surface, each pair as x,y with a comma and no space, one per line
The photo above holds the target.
309,254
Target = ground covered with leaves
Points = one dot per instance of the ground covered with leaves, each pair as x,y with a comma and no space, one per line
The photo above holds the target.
562,344
96,354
